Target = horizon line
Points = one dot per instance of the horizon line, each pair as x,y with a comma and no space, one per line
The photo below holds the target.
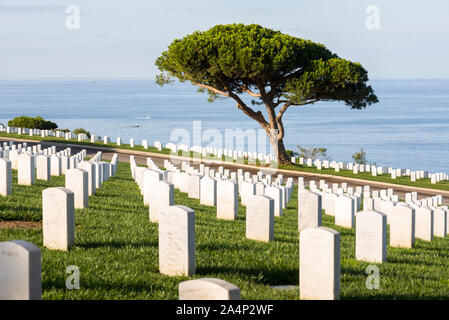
152,78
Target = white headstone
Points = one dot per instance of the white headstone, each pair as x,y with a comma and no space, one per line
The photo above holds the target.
424,223
55,165
208,191
344,211
371,236
227,200
248,189
43,167
161,197
91,180
368,204
260,189
64,164
329,200
58,218
184,182
309,209
194,186
177,241
275,193
5,177
25,172
98,174
439,222
150,177
319,264
20,271
208,289
13,155
260,218
77,181
402,227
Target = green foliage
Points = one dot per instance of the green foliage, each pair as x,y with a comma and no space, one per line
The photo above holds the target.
32,123
63,130
360,157
82,130
291,153
332,80
236,57
313,153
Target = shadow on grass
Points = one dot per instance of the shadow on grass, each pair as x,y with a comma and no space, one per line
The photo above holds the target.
118,245
103,286
222,246
269,277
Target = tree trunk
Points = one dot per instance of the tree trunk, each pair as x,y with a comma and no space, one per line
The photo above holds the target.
278,146
281,153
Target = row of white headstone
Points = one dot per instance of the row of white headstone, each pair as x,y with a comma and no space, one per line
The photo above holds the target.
32,165
21,270
407,220
374,170
177,253
206,152
157,187
20,261
222,188
241,156
219,153
177,245
343,203
177,239
43,133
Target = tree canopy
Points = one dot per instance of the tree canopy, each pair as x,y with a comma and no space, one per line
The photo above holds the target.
276,70
32,123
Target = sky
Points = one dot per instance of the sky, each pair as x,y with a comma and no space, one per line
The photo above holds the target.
400,39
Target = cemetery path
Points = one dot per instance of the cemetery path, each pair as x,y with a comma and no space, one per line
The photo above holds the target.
123,155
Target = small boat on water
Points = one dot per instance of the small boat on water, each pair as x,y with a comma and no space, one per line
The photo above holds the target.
136,125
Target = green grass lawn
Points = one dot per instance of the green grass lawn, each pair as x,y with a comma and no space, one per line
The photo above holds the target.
422,183
116,250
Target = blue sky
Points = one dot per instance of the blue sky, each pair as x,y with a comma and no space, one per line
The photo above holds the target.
123,38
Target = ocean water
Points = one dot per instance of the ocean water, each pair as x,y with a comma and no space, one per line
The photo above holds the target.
408,128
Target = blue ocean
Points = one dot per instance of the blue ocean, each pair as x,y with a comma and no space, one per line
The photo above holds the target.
408,128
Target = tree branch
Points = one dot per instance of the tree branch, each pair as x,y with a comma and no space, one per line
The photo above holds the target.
268,105
212,89
281,112
248,91
277,103
283,109
258,116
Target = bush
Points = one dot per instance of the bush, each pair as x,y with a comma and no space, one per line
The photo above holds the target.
359,157
82,130
63,130
291,153
32,123
313,153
